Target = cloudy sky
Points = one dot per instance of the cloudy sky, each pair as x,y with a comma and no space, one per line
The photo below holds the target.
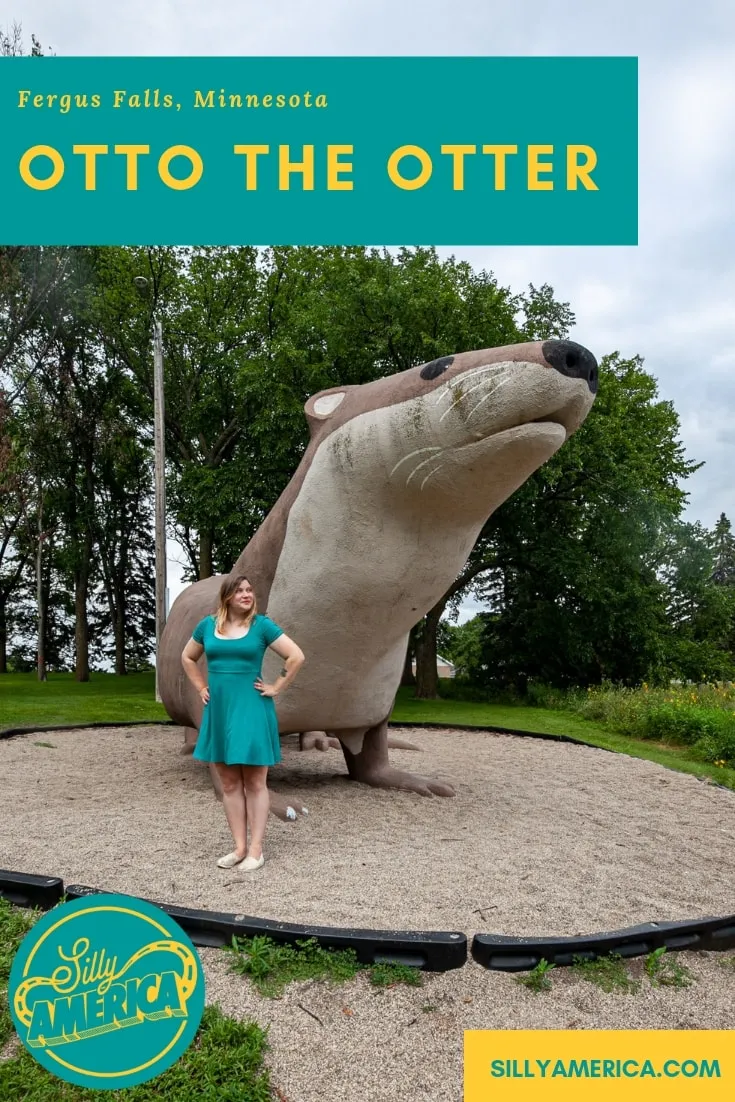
672,298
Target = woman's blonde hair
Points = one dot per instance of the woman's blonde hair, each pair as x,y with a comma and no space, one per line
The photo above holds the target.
228,589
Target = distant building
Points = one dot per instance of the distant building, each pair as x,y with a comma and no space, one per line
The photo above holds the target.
444,668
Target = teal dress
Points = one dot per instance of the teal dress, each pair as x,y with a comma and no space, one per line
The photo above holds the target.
239,726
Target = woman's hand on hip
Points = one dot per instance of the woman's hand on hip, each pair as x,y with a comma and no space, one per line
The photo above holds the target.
265,690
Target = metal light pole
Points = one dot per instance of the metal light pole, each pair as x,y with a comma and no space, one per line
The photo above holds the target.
159,478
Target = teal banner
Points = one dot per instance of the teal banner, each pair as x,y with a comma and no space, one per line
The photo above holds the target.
319,150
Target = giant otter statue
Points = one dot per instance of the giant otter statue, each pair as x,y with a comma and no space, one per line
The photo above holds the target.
377,522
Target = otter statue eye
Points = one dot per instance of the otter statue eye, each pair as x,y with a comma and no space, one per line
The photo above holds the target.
436,368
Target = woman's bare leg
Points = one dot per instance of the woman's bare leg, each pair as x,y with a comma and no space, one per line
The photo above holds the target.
233,801
258,804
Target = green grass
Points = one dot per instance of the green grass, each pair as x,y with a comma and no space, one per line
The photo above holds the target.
608,973
548,721
26,702
388,975
271,966
664,970
223,1064
14,925
537,980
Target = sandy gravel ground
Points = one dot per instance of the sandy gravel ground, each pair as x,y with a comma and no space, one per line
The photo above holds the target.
541,838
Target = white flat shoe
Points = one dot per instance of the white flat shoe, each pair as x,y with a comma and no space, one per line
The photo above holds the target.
250,864
229,861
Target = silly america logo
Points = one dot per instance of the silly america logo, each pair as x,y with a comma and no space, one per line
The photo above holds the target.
94,969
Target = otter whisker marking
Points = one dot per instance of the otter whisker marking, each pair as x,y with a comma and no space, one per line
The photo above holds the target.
429,475
466,393
454,383
410,455
424,462
490,395
492,390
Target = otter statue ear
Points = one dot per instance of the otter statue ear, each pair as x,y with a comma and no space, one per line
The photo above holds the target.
320,407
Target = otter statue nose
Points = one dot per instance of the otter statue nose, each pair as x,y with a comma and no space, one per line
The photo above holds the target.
573,360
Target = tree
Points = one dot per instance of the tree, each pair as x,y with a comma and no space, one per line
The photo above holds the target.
80,430
700,610
574,583
463,647
124,622
32,303
723,548
203,297
11,43
16,520
542,317
249,336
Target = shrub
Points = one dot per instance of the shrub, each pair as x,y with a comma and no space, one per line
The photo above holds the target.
701,716
718,747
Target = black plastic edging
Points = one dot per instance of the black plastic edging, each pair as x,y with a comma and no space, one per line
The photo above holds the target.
30,891
521,954
433,951
502,731
10,732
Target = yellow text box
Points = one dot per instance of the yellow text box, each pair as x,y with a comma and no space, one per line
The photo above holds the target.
550,1064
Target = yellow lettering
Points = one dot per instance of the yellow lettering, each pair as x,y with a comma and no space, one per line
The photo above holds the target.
286,167
132,152
164,997
458,153
251,152
577,171
29,157
23,97
90,152
335,168
197,167
535,167
500,152
409,151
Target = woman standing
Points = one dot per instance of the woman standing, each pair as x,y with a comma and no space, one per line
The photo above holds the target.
239,728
